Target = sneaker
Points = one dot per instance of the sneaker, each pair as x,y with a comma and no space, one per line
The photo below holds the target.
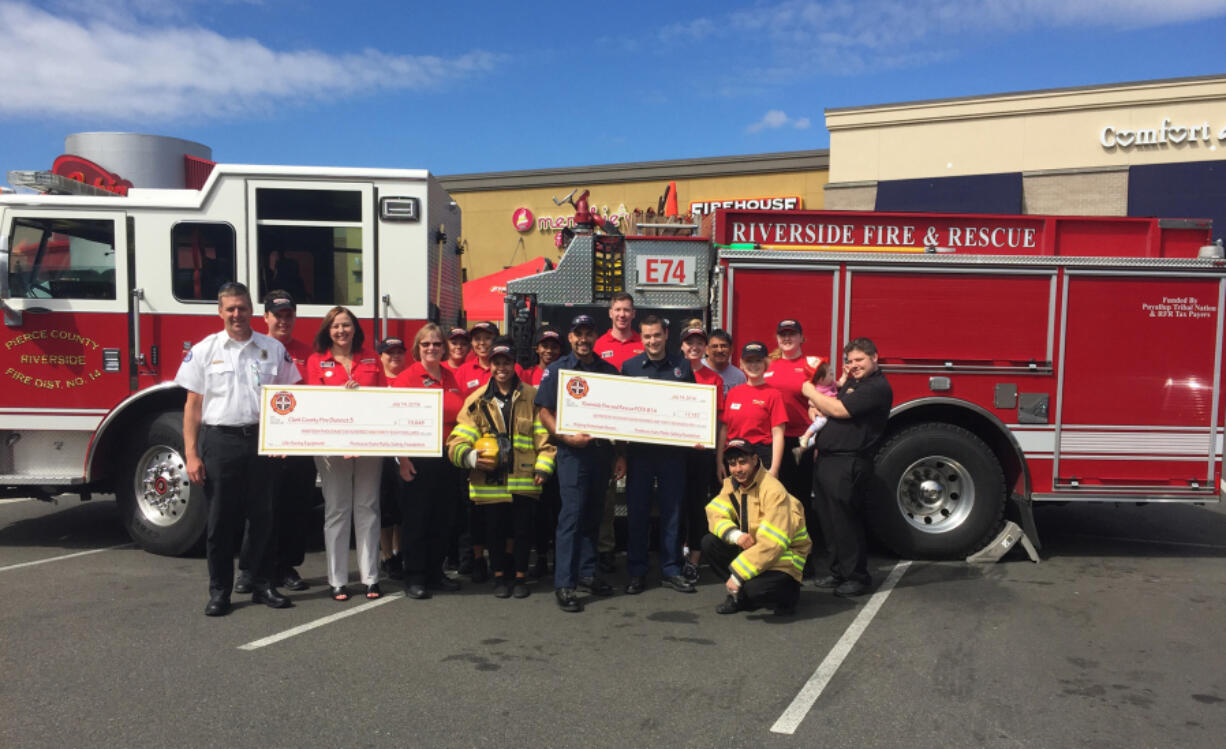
851,588
679,584
690,572
520,589
501,589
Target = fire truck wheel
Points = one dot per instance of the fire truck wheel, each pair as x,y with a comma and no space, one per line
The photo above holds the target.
939,493
163,512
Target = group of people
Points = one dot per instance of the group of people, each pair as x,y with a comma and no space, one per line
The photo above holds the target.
507,482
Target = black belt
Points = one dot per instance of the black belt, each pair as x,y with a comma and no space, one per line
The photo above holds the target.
247,430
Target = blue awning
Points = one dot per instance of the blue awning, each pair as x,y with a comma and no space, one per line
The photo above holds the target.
976,193
1191,190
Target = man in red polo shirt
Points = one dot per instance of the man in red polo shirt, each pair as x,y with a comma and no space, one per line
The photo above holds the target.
615,347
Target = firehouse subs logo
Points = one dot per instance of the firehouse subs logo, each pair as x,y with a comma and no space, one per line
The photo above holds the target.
283,402
577,387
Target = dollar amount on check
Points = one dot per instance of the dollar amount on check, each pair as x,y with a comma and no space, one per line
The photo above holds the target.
636,409
313,420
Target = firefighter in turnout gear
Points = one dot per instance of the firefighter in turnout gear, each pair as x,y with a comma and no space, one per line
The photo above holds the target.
758,538
499,436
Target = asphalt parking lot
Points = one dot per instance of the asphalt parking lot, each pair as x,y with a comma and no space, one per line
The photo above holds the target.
1115,639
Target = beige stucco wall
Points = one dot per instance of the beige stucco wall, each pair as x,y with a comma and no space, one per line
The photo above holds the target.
493,242
1029,131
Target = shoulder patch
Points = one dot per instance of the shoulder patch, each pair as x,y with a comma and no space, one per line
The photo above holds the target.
287,357
187,356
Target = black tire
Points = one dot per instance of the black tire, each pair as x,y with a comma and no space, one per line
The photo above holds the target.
938,493
161,510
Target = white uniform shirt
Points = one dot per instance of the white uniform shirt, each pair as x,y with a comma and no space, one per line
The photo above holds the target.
732,376
229,373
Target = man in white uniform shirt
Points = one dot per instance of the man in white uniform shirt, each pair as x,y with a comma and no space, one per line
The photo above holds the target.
223,375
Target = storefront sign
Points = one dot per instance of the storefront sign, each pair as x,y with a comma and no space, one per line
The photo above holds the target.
522,219
620,217
1166,134
786,203
84,170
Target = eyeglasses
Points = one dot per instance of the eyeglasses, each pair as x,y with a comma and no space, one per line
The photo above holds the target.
431,344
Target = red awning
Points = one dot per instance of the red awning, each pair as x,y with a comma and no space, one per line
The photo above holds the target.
483,296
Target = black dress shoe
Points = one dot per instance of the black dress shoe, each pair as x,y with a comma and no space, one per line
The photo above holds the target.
417,591
829,582
636,585
218,605
596,586
520,589
268,595
679,584
851,588
292,581
606,562
501,589
244,584
729,606
445,583
567,600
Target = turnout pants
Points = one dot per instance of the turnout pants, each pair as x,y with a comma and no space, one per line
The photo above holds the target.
839,483
236,486
351,497
771,589
583,479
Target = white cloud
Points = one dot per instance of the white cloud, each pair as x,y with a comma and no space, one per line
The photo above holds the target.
131,70
775,119
853,36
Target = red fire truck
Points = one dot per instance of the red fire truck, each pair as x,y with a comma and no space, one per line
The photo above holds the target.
104,288
1033,358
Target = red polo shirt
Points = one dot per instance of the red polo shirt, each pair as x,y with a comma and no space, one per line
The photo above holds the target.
750,411
322,369
300,352
617,352
786,376
530,375
472,376
704,375
416,376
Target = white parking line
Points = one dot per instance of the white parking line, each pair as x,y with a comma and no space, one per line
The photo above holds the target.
812,689
65,556
18,499
273,639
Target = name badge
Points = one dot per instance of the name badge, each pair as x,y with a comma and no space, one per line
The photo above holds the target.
734,406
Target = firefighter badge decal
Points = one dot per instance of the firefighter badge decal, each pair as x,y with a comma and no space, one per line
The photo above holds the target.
577,387
283,402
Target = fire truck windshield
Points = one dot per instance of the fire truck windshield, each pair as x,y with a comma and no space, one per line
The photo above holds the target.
62,259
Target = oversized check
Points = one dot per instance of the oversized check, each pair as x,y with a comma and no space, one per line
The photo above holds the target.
636,409
317,420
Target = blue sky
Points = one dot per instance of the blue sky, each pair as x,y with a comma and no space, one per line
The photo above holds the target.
475,86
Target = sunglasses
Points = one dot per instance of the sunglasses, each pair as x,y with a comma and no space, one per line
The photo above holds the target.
431,344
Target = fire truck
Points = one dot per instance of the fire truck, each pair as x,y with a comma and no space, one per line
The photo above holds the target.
1033,358
105,286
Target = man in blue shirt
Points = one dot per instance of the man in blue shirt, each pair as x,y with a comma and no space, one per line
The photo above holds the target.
665,465
584,464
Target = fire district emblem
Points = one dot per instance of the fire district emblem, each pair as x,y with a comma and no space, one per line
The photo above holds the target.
283,402
577,387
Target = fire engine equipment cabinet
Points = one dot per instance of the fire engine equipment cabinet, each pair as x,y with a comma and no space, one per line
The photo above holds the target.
1033,358
105,286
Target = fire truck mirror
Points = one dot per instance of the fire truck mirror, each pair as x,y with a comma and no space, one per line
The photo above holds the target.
1032,408
1006,396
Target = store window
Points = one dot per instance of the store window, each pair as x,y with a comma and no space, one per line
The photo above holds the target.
975,193
1190,190
310,244
62,259
203,260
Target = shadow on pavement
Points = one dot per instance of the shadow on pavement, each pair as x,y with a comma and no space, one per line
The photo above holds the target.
74,525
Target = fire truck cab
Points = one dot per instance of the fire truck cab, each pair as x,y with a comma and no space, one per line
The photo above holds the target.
104,290
1033,358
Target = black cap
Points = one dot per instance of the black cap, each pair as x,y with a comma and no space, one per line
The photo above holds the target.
582,321
388,344
549,334
755,349
458,333
502,349
694,331
738,446
279,300
788,325
486,326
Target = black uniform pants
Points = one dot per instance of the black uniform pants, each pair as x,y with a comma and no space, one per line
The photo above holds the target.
839,484
547,516
770,589
427,507
700,487
797,478
292,483
236,486
509,520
